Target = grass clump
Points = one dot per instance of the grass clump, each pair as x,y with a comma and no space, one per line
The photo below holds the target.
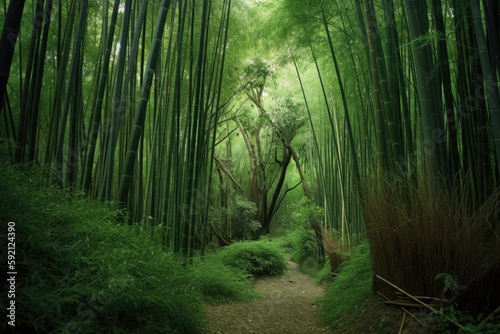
324,274
283,242
429,232
255,258
303,241
307,238
81,271
219,283
351,288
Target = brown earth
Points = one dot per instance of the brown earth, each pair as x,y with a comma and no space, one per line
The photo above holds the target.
288,305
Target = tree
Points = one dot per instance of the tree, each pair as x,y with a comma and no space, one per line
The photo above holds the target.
284,121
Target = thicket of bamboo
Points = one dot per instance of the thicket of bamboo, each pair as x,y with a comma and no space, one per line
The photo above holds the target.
420,156
128,113
123,100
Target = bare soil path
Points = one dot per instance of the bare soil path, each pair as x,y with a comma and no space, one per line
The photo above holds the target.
287,306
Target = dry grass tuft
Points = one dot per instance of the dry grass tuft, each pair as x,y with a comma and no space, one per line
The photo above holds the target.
429,233
333,248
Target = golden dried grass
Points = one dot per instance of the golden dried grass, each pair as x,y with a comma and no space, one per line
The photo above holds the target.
333,248
427,233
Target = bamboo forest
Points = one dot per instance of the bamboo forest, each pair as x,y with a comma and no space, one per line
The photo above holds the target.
250,166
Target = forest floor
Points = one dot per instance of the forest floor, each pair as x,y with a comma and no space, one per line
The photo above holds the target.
288,305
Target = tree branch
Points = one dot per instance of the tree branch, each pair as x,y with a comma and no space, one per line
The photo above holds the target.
221,167
283,197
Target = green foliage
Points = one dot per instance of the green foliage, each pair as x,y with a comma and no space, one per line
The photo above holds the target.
258,71
81,270
324,274
351,288
309,215
303,237
255,258
241,214
219,283
450,281
283,242
303,243
287,117
470,323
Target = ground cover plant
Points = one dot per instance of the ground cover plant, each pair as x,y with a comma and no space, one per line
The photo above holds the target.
303,252
305,236
81,270
255,258
350,290
471,324
219,283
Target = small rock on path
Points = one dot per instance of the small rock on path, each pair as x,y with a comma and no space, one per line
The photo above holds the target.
288,305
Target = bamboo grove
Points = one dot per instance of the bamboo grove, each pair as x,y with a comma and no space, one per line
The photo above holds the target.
395,109
121,100
409,133
422,83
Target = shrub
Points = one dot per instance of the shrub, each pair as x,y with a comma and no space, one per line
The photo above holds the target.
255,258
283,242
351,288
81,271
242,213
219,283
239,216
306,227
303,242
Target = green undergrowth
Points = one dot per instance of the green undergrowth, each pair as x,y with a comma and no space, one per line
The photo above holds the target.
304,221
80,271
254,258
227,273
324,274
470,323
350,289
283,242
219,283
303,241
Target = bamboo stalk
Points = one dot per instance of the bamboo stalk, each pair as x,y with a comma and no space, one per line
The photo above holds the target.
140,116
400,295
8,42
397,303
497,310
402,323
404,310
96,119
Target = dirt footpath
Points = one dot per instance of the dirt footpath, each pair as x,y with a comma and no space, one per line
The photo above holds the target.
287,306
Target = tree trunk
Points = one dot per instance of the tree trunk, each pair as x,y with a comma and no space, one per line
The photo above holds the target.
295,156
8,43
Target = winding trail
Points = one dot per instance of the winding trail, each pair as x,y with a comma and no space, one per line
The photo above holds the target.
288,305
